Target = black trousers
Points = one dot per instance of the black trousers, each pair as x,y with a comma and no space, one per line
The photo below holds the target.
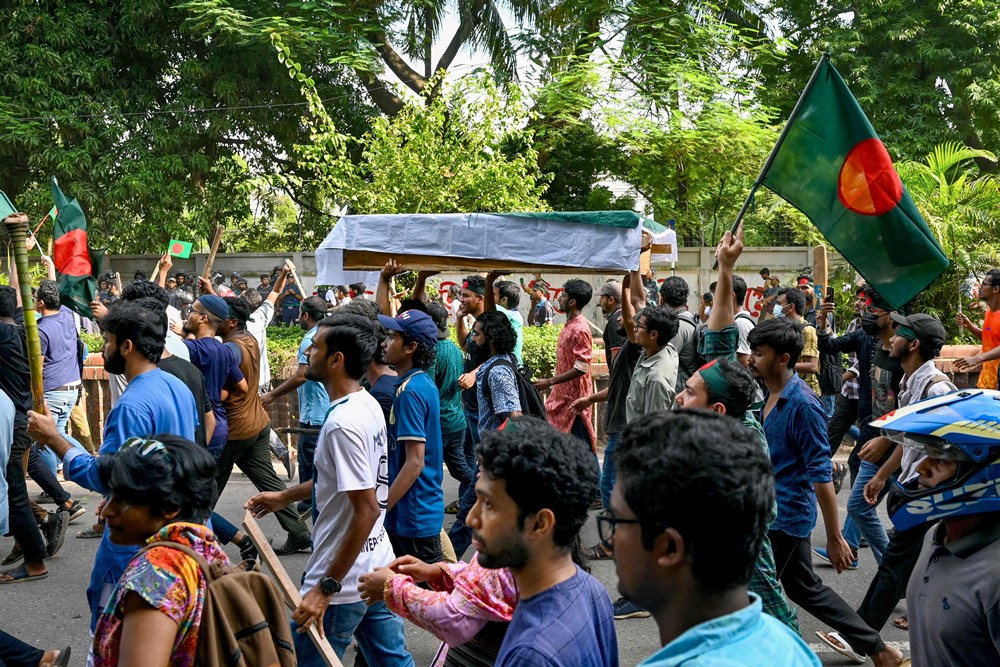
889,585
253,456
845,413
23,527
793,559
427,549
15,653
45,478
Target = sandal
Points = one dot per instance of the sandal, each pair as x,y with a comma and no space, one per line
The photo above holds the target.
903,623
60,661
837,643
598,552
90,534
839,473
20,574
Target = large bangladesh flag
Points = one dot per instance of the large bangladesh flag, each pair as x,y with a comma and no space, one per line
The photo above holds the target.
831,166
77,267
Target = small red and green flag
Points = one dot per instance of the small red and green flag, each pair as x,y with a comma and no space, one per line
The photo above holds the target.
832,166
76,265
53,213
180,248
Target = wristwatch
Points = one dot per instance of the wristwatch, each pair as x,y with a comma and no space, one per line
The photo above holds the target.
329,586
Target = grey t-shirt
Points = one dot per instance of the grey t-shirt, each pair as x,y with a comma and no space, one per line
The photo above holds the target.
685,342
953,600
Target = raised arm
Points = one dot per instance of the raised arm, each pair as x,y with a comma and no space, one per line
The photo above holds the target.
383,294
420,286
279,284
724,307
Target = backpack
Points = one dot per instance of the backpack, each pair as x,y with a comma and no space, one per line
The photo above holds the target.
531,401
699,329
243,620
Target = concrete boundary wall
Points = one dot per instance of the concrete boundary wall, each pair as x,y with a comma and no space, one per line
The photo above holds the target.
694,265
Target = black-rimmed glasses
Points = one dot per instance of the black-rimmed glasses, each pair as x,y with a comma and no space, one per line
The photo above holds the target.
606,525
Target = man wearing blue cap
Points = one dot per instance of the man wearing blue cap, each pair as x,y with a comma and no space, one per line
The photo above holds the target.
415,506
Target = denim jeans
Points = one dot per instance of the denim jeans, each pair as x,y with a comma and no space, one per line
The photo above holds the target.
60,405
828,401
608,471
457,461
460,534
863,516
379,633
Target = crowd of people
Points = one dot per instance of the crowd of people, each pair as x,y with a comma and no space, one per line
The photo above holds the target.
721,435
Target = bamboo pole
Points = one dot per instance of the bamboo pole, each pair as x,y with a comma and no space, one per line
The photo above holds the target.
17,229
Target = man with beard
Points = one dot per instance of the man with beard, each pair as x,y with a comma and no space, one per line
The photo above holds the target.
154,402
248,445
795,427
496,384
533,494
350,488
216,362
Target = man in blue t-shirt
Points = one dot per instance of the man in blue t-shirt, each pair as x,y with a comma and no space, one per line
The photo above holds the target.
313,399
680,475
532,496
415,508
215,361
153,403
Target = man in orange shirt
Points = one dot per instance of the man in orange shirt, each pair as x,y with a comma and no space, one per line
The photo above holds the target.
989,292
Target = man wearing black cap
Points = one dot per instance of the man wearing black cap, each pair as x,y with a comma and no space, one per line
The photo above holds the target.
917,341
415,504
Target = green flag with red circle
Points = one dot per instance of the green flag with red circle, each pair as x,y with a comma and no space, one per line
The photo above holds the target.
832,166
178,248
76,264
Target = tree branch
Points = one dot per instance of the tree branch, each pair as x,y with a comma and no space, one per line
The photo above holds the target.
465,28
395,62
387,101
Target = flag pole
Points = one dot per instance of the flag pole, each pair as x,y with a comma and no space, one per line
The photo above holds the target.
777,146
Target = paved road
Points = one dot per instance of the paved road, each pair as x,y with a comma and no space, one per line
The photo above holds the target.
52,613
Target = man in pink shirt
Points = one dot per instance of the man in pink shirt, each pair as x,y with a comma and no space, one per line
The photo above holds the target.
573,354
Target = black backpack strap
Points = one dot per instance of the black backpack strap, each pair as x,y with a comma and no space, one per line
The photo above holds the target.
937,379
487,391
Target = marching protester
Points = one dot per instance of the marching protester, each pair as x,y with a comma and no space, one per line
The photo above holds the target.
989,333
349,486
680,475
415,500
572,380
248,445
791,304
674,294
532,497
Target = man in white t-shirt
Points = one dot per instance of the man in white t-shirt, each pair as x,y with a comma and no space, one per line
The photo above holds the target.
349,494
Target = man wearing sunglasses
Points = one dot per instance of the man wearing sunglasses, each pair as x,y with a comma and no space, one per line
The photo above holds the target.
681,475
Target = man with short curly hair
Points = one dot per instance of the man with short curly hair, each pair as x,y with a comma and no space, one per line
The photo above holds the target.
533,495
496,382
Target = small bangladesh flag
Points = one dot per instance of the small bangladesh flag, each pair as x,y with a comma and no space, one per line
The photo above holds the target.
832,167
76,265
180,249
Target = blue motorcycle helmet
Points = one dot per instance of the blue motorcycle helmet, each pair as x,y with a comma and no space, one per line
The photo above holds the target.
962,426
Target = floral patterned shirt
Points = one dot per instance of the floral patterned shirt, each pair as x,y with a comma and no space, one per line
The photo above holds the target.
171,582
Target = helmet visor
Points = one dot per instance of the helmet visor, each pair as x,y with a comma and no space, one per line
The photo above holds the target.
928,445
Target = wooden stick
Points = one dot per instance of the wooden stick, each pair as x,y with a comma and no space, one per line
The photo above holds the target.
207,273
118,279
821,273
288,590
17,229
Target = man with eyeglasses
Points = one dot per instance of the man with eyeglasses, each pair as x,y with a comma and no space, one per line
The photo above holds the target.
681,475
989,292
